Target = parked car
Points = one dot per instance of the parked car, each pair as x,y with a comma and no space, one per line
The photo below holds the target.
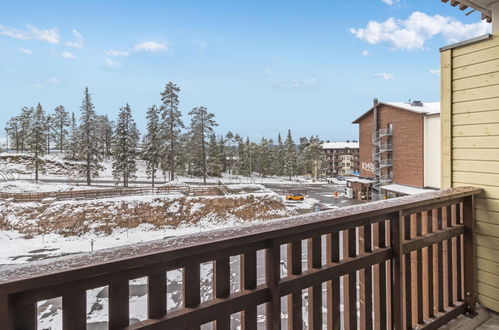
295,197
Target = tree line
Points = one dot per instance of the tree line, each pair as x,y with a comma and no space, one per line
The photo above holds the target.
168,147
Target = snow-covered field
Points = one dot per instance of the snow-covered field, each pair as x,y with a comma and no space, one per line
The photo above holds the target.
59,169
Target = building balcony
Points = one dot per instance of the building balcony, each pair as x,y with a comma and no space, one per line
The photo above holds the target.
260,263
382,132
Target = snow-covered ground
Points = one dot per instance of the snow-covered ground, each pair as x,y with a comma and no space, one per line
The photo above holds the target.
62,170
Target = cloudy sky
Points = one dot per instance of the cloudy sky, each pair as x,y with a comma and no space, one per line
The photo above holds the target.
260,66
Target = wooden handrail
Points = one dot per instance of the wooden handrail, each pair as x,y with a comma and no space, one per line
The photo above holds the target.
21,286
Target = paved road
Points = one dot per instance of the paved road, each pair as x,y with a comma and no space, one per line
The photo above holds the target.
322,193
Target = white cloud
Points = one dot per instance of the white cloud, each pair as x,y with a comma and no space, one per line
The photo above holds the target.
148,46
68,55
365,53
53,80
437,71
32,33
110,63
384,75
78,43
390,2
413,32
117,53
25,50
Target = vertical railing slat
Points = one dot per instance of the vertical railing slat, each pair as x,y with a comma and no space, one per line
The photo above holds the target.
450,268
469,254
248,282
273,272
315,292
352,280
74,311
419,257
397,273
431,305
295,317
333,286
221,288
459,282
382,278
368,289
156,295
24,317
191,287
119,304
408,274
440,265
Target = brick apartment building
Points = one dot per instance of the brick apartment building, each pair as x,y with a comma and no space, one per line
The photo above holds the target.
341,158
399,148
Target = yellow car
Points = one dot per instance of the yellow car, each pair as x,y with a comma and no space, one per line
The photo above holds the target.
295,197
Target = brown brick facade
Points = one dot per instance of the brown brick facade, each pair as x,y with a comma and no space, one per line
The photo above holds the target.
407,140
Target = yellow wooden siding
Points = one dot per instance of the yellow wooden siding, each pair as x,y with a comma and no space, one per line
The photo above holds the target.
470,118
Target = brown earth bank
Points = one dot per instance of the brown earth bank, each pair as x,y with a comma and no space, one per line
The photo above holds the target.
102,216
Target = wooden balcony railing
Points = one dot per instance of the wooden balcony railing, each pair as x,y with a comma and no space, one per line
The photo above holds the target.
399,263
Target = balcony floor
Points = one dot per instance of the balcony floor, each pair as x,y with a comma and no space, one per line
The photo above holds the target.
485,320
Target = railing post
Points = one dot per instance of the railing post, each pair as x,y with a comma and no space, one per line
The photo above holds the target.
397,273
469,254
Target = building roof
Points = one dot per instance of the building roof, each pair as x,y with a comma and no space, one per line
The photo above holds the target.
483,6
404,190
427,108
360,180
340,145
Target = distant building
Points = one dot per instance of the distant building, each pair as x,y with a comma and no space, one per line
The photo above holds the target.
399,147
341,158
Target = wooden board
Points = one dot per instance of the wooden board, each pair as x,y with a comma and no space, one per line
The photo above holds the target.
476,106
486,117
475,81
478,93
476,47
476,69
483,55
482,142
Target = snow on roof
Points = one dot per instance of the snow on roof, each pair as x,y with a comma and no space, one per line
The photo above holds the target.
340,145
426,108
360,180
405,190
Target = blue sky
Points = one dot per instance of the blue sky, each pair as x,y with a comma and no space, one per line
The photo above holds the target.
261,66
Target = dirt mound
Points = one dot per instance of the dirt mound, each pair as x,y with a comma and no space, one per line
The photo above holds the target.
74,218
22,164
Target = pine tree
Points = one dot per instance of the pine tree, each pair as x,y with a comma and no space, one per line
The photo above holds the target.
13,131
152,143
88,139
72,145
48,131
105,133
171,123
124,147
214,164
202,123
280,161
25,125
61,121
289,156
36,138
